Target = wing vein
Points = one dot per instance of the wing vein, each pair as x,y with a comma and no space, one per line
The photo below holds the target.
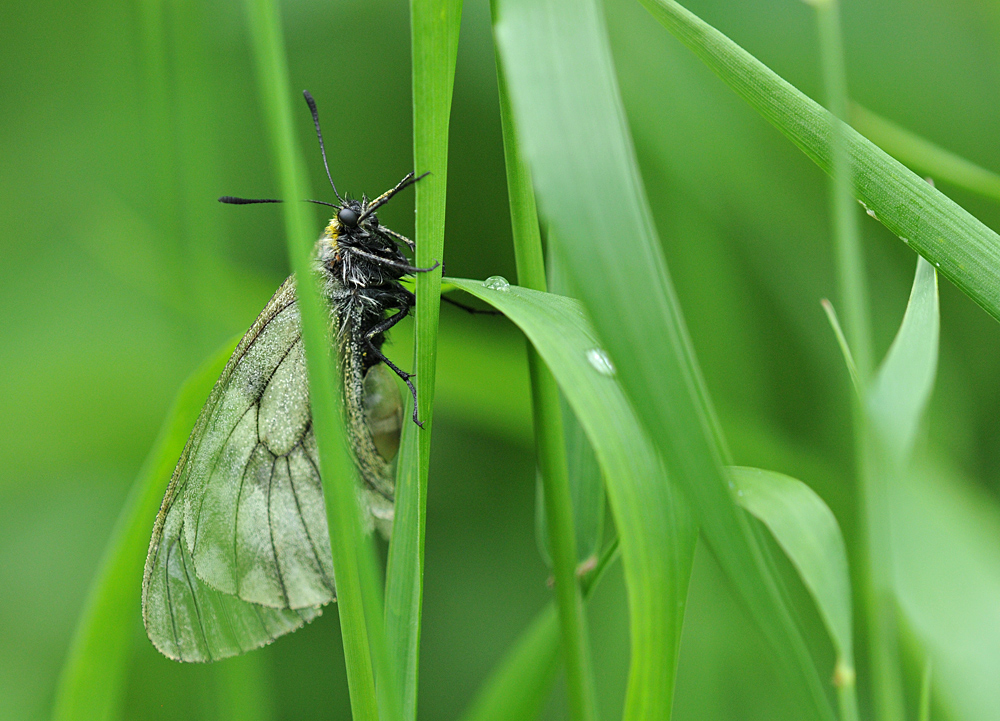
215,463
305,526
270,529
194,601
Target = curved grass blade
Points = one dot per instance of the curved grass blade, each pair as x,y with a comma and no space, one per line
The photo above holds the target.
903,383
521,682
960,246
807,532
656,531
566,103
90,686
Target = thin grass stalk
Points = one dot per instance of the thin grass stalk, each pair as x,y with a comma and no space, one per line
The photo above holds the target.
876,592
434,28
349,547
549,432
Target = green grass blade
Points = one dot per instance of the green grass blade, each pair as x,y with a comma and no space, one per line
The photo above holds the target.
903,384
851,277
565,99
358,599
556,501
521,683
920,153
434,29
91,683
656,531
924,708
892,412
807,532
960,246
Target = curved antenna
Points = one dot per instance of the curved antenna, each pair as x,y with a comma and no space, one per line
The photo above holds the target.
384,198
319,134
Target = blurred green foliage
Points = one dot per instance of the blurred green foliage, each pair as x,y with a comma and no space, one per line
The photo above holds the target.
121,123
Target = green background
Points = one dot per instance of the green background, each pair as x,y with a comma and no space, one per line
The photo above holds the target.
120,274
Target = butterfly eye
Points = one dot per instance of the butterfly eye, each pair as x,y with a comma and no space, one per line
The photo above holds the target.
348,217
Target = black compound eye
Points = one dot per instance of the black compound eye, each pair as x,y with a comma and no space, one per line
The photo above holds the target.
348,217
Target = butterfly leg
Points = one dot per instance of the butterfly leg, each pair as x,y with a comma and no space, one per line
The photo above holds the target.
382,328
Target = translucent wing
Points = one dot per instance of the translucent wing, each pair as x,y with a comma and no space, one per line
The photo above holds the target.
240,552
188,620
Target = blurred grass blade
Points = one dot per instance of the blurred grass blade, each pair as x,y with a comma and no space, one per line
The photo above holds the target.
244,689
808,533
845,349
520,684
586,483
656,531
359,601
434,30
920,153
557,527
587,492
903,384
565,99
947,581
91,683
924,708
960,246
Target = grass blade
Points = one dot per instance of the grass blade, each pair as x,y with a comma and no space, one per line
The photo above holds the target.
807,531
91,682
358,600
434,29
903,384
521,682
656,531
960,246
556,501
918,152
892,412
565,99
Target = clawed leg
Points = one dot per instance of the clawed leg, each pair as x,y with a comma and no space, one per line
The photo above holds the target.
382,328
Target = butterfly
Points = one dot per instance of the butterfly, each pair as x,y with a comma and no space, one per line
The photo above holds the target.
240,551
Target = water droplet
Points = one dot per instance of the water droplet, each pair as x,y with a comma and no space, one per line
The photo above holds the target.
937,263
871,213
905,240
497,282
602,364
739,493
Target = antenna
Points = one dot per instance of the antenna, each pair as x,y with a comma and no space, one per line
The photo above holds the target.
384,198
246,201
319,134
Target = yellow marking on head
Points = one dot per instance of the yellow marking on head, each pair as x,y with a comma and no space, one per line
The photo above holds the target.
333,230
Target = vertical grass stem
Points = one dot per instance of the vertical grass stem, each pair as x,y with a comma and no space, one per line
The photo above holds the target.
879,609
549,432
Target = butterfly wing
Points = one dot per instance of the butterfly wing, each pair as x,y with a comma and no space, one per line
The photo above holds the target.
188,620
240,550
